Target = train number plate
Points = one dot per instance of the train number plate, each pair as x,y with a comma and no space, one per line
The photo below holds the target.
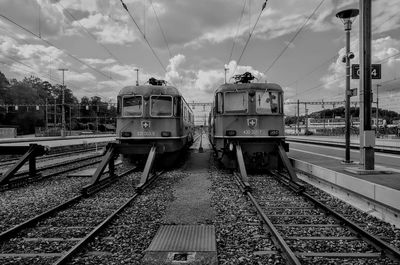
255,132
146,133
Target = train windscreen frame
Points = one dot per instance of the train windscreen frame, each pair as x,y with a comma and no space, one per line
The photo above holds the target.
161,106
132,106
236,102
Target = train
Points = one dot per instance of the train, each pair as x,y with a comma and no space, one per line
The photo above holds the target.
248,116
153,115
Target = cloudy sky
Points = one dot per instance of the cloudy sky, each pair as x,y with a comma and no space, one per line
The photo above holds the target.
100,45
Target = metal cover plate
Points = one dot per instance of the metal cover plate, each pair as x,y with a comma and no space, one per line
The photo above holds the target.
184,238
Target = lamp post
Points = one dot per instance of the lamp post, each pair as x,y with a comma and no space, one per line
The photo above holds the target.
225,70
347,17
62,104
137,76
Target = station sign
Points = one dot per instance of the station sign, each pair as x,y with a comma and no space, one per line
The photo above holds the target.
375,71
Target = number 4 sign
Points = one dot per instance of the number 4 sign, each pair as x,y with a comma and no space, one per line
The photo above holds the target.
375,71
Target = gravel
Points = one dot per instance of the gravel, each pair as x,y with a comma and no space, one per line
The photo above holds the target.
239,232
61,231
347,261
271,194
126,238
386,231
291,231
21,204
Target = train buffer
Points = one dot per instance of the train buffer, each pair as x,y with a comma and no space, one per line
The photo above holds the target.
97,182
29,154
292,179
147,168
113,150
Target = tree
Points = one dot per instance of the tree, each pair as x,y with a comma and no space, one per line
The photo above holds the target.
4,84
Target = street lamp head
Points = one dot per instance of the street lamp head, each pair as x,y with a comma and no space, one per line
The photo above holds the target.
347,17
347,14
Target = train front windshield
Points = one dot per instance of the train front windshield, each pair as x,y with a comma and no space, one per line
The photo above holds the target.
236,102
161,106
267,102
132,106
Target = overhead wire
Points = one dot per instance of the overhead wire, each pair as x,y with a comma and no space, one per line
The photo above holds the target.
237,30
44,76
144,36
251,33
161,29
294,37
53,45
92,36
27,43
341,77
35,73
338,79
313,70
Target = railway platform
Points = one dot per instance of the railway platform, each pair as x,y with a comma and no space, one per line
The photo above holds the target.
61,144
377,193
381,144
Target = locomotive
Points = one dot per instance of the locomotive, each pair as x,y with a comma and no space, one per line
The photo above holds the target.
247,123
153,115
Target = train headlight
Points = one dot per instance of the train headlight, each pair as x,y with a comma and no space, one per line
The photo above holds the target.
126,134
231,147
230,132
273,132
165,134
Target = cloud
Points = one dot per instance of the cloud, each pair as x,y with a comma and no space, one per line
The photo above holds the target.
271,25
99,61
382,48
32,57
108,30
199,85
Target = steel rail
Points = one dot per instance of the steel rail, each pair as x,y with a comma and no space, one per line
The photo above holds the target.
287,253
385,248
67,256
14,230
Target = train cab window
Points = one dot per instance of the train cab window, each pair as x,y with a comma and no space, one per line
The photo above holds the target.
220,103
236,102
119,105
177,106
161,106
267,102
132,106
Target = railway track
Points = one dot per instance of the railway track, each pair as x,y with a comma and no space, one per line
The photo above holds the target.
307,231
51,170
56,235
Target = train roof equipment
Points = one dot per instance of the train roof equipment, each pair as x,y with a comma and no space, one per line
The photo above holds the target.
155,87
244,78
247,86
